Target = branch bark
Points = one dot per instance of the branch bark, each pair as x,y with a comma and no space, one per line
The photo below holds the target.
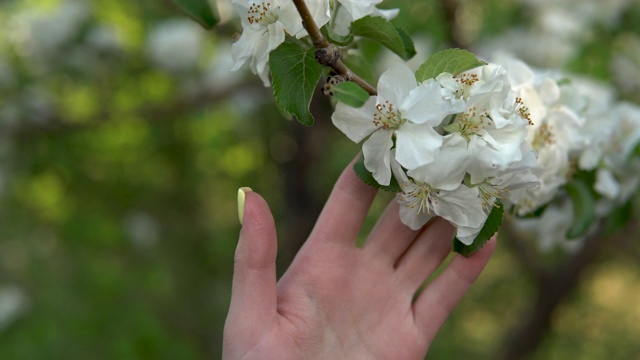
553,290
525,254
325,54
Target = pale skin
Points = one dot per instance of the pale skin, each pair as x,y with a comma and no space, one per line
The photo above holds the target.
338,301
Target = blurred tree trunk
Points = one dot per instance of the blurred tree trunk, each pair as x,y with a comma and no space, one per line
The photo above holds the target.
553,287
302,204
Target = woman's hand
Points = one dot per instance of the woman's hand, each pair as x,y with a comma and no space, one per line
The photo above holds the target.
337,301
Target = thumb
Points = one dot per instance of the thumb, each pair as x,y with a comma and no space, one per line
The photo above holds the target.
253,296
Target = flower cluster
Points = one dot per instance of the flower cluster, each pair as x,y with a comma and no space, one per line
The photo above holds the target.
464,143
265,24
460,144
456,144
578,129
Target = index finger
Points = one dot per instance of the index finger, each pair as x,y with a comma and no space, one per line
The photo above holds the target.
437,300
343,214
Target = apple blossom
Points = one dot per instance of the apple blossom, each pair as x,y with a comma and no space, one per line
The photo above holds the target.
360,8
402,111
264,25
349,11
420,202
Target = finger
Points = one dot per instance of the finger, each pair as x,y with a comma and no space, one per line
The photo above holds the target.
425,254
345,210
439,298
390,238
253,296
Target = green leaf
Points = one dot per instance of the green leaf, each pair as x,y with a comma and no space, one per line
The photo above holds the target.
407,42
199,10
618,218
295,74
366,176
453,61
563,81
384,32
341,40
494,220
350,93
584,213
634,153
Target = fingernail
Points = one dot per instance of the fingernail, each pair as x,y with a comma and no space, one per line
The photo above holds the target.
241,197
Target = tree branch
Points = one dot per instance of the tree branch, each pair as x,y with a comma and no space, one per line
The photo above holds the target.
325,54
524,253
555,289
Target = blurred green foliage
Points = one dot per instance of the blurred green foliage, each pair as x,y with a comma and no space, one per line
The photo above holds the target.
118,219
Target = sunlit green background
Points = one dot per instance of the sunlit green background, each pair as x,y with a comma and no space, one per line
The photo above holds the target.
122,148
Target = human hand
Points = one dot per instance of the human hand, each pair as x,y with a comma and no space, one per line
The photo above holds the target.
338,301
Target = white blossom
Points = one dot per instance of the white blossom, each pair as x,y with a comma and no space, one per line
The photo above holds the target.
459,145
420,202
618,174
550,229
606,184
342,18
554,132
264,25
360,8
402,110
494,122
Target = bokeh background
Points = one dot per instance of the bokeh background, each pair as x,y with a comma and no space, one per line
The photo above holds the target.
124,138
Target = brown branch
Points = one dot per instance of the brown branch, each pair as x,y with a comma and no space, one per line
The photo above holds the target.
325,54
554,290
524,253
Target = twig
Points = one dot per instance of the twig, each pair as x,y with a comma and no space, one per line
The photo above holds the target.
325,54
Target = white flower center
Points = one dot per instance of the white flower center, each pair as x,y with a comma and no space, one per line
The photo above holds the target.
544,136
469,123
421,195
522,110
489,193
262,13
387,116
465,81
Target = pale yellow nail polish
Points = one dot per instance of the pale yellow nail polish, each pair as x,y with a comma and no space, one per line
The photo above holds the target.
241,197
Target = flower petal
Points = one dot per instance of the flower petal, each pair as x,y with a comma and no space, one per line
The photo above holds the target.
288,16
467,235
606,184
398,172
360,8
449,167
388,14
395,84
242,49
377,155
410,216
356,123
416,145
426,104
461,207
